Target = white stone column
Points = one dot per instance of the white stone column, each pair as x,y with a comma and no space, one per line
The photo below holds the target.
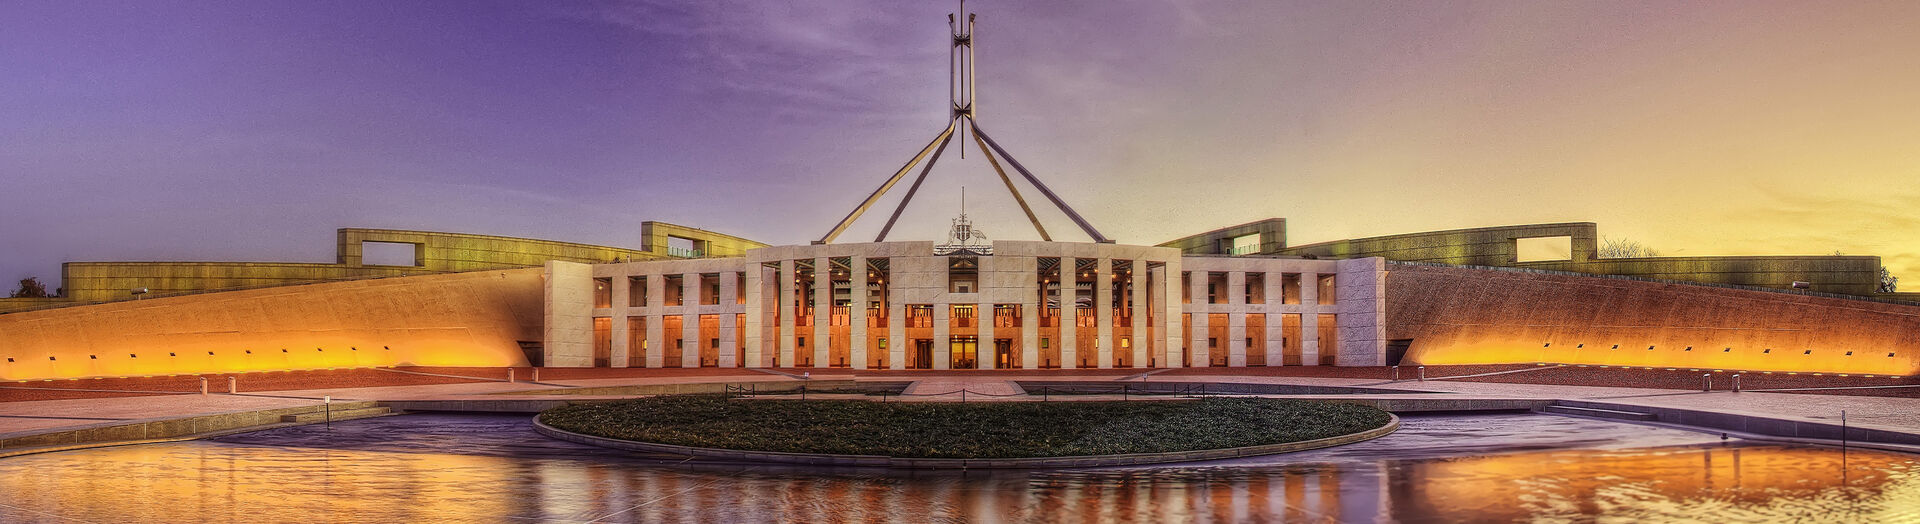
1236,342
1275,343
822,311
729,341
896,320
1169,282
756,311
1069,313
1310,319
787,314
1362,312
1103,278
1199,309
690,320
1030,334
657,321
942,344
1140,282
985,288
568,333
857,307
622,291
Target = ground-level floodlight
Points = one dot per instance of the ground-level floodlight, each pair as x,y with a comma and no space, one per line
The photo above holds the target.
1802,284
138,291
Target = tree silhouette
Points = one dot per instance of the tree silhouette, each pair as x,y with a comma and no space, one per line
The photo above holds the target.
31,288
1624,248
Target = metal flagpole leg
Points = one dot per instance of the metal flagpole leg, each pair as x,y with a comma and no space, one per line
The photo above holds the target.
897,175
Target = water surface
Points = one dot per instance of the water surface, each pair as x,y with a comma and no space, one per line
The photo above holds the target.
464,468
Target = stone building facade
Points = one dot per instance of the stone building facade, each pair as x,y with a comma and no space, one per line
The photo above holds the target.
1017,305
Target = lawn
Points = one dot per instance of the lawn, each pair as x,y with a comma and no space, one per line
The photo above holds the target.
972,430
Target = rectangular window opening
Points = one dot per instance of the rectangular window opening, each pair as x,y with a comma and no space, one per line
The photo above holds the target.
1543,249
389,254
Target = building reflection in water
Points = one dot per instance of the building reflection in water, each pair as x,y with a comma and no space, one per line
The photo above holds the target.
206,481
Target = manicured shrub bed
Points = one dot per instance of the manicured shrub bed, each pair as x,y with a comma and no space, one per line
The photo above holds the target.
973,430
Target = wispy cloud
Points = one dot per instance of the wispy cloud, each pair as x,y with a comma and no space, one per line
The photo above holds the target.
791,55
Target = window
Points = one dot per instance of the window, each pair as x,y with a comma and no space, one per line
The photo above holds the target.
675,288
709,289
603,292
1327,292
389,254
1543,249
1244,244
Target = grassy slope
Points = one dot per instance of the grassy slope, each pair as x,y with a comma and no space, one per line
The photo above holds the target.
977,430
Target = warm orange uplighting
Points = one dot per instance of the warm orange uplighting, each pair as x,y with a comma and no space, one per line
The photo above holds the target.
465,319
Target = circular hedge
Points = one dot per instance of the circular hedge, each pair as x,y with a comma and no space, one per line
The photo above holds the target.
976,430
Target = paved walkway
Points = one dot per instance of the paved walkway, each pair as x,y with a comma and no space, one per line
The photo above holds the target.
1898,414
1902,414
990,386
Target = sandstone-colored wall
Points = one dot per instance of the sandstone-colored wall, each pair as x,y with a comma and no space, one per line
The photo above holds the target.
712,244
1272,231
434,252
1495,247
1484,316
461,319
1487,246
9,304
89,282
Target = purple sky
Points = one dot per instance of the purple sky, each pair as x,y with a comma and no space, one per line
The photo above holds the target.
251,130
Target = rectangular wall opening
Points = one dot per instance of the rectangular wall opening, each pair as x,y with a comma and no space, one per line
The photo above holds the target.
390,254
1247,244
681,247
1543,249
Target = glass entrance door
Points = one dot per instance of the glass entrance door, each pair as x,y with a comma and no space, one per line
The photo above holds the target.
1003,353
964,350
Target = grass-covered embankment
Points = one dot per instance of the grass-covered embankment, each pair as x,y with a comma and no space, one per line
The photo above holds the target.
977,430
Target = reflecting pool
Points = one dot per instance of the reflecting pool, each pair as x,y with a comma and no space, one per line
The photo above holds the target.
495,469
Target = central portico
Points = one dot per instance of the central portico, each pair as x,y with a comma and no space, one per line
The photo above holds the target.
1026,305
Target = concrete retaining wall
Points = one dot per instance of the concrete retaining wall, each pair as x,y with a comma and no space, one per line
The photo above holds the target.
1756,424
1486,316
461,319
164,428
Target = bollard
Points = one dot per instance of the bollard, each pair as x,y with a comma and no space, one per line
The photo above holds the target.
1706,382
233,385
509,375
203,385
328,400
536,375
1423,373
1396,372
963,396
1736,382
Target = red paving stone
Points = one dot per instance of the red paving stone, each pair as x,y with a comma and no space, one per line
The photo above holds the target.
1683,378
216,383
1378,372
359,378
910,373
550,374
